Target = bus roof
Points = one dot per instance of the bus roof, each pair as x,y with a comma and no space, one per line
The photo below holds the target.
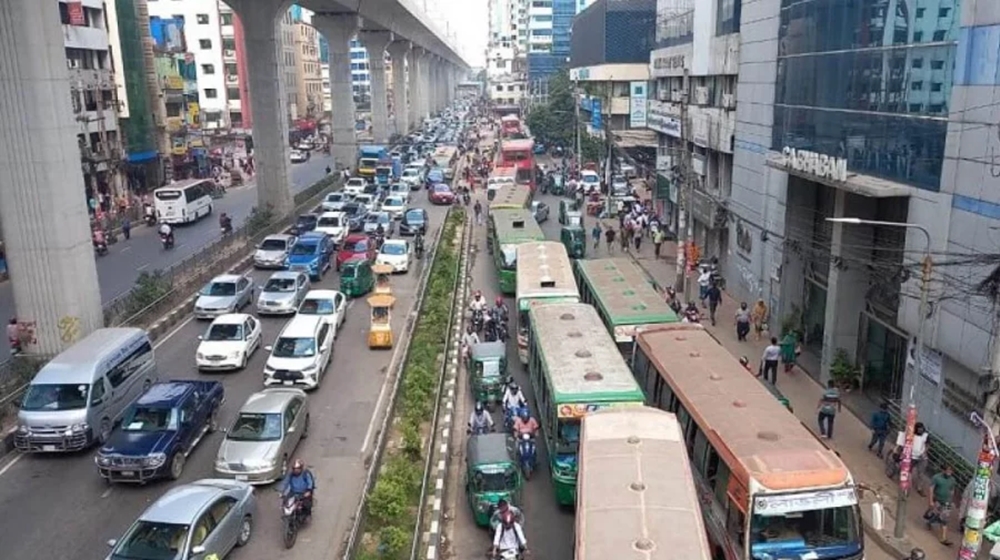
508,171
635,486
624,292
509,118
516,226
517,145
182,184
584,364
750,429
511,197
544,271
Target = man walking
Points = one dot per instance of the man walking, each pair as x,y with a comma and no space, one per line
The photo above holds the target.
657,242
609,238
714,297
742,322
828,407
596,234
770,358
880,428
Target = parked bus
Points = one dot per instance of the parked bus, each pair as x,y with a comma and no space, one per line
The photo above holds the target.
771,489
500,177
544,275
507,230
511,197
519,154
445,158
184,201
575,369
623,296
636,497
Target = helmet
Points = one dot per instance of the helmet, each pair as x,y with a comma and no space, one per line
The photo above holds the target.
499,301
478,294
298,466
507,518
479,407
13,321
523,413
744,360
917,554
513,387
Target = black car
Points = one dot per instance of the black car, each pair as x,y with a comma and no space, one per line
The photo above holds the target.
414,221
355,215
304,224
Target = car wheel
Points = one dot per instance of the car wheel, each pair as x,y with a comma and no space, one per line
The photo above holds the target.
305,428
177,465
246,531
104,434
243,363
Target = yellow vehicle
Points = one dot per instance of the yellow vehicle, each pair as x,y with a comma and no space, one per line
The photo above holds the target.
382,273
380,330
511,197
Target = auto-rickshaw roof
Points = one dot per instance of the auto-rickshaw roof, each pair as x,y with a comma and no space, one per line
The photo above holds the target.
488,449
355,262
382,269
488,350
381,300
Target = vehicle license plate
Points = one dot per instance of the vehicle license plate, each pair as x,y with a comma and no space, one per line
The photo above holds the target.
48,448
128,473
242,477
288,382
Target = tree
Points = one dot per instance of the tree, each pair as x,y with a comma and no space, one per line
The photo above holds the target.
554,123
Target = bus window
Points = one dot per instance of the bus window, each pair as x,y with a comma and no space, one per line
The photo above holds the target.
167,194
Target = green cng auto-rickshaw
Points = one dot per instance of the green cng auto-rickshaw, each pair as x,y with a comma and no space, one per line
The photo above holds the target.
356,278
575,241
491,474
565,208
487,367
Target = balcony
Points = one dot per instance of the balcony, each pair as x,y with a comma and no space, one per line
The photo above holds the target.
713,128
88,38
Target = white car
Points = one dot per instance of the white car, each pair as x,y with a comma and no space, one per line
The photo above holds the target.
335,201
299,157
395,205
401,190
355,186
228,342
368,201
334,224
395,253
412,177
590,180
619,186
329,304
300,354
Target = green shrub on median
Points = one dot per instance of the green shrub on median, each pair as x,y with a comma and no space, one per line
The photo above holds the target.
392,504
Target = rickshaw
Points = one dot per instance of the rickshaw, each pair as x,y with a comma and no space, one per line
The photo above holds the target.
492,473
565,208
558,187
574,238
356,278
487,366
380,330
382,273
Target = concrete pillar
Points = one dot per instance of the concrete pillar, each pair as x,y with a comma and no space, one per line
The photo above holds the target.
268,101
432,89
399,51
46,228
438,79
376,42
424,69
417,86
338,30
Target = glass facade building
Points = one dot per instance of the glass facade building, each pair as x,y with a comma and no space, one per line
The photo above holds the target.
543,63
868,81
614,32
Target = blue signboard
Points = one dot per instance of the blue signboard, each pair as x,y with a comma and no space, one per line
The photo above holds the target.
595,114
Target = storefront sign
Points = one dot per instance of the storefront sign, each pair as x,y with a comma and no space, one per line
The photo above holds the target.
578,74
76,14
637,105
812,163
806,501
675,62
660,117
930,365
173,82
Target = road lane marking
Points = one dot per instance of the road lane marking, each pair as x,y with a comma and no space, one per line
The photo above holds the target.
126,249
175,330
370,433
11,464
143,267
107,492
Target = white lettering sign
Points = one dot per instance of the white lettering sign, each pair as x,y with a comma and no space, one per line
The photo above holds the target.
820,165
806,501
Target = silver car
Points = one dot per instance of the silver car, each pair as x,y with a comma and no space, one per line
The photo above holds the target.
206,518
227,293
282,293
268,428
375,219
273,250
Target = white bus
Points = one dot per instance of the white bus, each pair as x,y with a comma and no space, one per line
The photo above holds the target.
184,201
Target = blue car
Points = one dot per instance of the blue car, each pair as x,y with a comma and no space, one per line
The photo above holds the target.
311,254
434,176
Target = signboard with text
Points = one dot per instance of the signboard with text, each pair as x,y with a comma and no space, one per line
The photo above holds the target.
637,105
76,14
812,163
596,119
661,117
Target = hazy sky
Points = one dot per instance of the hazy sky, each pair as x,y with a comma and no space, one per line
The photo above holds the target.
468,20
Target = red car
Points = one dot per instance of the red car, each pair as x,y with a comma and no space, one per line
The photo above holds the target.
355,245
441,194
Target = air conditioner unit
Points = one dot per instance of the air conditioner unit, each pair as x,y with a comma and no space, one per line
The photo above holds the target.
728,101
229,52
677,96
701,96
72,63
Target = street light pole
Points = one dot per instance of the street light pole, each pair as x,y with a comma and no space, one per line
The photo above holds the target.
576,110
906,459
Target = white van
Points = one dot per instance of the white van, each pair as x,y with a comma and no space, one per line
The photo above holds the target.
76,399
301,353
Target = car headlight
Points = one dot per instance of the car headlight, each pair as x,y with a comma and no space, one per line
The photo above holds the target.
77,429
309,370
199,356
484,506
236,355
23,429
220,463
259,464
268,370
155,460
103,461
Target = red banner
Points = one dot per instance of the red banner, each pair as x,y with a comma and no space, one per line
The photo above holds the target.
76,15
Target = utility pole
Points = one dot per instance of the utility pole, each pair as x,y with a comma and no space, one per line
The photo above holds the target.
606,125
975,517
576,111
685,197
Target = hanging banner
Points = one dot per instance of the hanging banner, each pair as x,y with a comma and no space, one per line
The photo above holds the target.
76,15
596,119
637,105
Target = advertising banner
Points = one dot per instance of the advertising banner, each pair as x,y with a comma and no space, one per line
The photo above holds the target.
596,119
637,105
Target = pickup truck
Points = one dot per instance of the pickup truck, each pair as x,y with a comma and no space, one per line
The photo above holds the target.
160,430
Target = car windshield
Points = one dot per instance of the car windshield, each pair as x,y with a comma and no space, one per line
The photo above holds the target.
441,188
282,285
335,197
382,218
306,221
393,249
304,249
287,347
219,289
224,332
359,246
273,245
329,221
568,440
801,533
148,540
352,208
149,419
410,173
393,202
317,307
50,397
494,479
250,426
415,217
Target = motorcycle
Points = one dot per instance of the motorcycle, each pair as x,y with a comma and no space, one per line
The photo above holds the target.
418,250
477,320
466,197
100,247
508,417
478,430
292,519
526,452
167,241
508,554
149,216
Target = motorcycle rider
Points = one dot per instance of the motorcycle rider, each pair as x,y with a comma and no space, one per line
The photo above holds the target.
508,536
469,338
513,398
525,423
148,213
300,482
500,311
478,303
480,421
166,232
418,244
100,242
226,223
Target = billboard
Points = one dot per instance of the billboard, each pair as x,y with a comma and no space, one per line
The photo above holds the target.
596,119
637,105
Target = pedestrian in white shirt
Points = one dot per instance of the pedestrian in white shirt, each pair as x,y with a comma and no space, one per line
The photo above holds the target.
769,361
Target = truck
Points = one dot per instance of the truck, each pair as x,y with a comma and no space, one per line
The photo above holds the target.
383,172
160,430
369,158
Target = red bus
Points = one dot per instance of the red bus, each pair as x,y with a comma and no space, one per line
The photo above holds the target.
519,154
510,125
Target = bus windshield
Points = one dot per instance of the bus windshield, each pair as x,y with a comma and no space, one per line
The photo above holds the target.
509,254
829,532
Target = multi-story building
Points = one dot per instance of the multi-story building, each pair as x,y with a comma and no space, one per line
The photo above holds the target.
874,111
506,65
235,72
550,24
309,79
291,76
699,41
94,96
177,77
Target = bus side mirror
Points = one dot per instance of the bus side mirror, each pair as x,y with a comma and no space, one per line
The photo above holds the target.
878,516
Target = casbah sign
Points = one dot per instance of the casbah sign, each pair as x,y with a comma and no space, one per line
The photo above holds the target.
812,163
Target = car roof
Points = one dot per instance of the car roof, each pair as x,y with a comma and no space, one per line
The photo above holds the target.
165,393
356,237
271,401
77,364
180,505
301,326
336,194
280,236
222,278
285,274
417,209
394,242
333,214
230,319
322,294
312,236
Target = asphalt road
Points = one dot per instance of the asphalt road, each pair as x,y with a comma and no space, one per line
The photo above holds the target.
118,269
64,510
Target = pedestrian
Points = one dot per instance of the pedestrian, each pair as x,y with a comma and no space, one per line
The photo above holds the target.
759,316
704,281
637,237
657,242
478,209
126,228
880,428
714,297
596,234
626,233
828,407
769,361
918,453
742,322
940,502
609,238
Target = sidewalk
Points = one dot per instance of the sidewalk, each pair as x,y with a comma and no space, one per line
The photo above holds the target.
851,434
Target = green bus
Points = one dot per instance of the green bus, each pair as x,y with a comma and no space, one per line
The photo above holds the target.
544,275
507,230
575,368
511,197
624,297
